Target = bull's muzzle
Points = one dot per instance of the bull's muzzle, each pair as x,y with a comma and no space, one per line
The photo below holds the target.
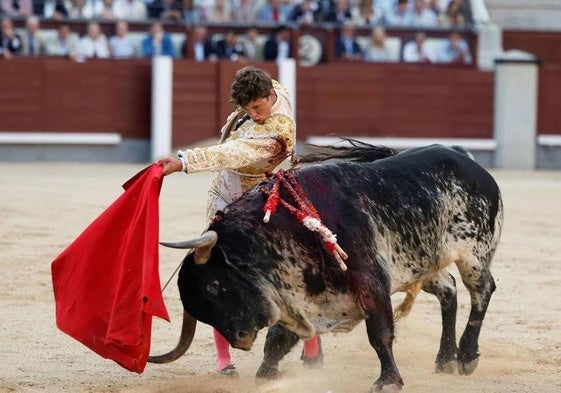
244,339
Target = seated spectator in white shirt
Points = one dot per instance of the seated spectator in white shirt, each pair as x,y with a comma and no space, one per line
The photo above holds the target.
252,47
219,13
368,13
133,10
423,16
400,15
417,50
378,50
107,11
121,45
455,50
273,11
244,12
94,43
65,44
85,9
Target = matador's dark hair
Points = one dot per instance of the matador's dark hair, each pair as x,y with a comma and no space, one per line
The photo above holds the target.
250,84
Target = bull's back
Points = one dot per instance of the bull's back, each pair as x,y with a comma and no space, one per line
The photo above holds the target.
415,209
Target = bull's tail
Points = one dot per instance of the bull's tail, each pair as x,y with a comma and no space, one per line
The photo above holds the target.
354,150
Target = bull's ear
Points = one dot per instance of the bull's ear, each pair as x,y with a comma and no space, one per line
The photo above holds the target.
204,250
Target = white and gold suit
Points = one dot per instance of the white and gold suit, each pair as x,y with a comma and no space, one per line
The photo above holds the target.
246,153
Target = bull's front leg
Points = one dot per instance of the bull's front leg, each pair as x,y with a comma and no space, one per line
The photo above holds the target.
380,329
278,343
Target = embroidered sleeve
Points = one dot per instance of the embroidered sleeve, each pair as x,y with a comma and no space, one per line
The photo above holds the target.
250,146
232,154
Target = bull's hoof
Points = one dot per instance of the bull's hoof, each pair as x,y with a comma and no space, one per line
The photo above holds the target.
467,368
268,373
392,388
448,367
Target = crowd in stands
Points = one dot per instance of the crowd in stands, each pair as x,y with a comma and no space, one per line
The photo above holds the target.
348,14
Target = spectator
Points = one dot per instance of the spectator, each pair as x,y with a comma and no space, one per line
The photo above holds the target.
94,44
219,12
386,6
200,48
307,12
278,46
244,12
229,47
33,44
16,8
400,15
378,51
157,42
340,14
192,12
121,46
417,50
454,15
65,44
368,14
273,11
439,6
10,42
252,48
455,50
56,9
346,46
85,9
423,16
107,10
168,10
130,10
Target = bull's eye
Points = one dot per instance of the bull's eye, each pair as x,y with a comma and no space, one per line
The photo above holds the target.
213,287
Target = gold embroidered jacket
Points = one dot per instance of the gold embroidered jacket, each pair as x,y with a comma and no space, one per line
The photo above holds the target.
246,154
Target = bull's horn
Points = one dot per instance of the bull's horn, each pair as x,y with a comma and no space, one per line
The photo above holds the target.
187,333
207,239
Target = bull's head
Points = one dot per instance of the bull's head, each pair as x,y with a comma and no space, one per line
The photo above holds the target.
217,292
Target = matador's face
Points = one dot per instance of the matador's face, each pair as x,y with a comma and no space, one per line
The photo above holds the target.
260,109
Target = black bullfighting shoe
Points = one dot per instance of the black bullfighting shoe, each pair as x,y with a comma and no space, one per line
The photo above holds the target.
229,371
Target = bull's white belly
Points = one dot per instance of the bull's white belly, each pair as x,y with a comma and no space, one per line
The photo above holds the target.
334,313
325,325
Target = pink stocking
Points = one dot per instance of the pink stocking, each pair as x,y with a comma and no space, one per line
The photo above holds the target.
311,347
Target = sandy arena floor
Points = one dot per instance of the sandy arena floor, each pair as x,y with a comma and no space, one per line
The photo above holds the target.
45,206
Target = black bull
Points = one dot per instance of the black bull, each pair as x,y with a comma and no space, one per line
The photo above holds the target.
401,218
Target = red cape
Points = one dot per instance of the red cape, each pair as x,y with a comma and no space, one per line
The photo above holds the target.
106,283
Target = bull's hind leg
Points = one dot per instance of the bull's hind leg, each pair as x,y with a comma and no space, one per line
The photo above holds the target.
443,287
278,343
380,329
481,285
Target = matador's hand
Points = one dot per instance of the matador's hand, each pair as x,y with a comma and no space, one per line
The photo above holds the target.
171,165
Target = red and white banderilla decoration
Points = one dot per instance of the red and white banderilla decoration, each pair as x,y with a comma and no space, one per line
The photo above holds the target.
306,213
